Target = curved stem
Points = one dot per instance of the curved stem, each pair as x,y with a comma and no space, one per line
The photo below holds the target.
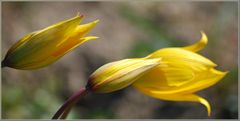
66,107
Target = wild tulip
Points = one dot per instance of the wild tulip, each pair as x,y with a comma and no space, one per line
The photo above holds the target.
43,47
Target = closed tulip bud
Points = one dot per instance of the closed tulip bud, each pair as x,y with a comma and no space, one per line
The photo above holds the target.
117,75
43,47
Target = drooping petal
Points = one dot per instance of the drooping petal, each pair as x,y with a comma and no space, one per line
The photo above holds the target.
172,97
199,45
117,75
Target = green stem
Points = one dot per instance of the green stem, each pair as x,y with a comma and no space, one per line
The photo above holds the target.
66,107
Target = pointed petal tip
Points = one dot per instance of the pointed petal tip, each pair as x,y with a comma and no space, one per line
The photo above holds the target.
91,24
94,37
198,45
206,104
78,16
202,32
222,73
204,38
96,21
91,37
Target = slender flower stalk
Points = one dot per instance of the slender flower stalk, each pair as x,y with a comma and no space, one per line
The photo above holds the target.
66,107
173,74
43,47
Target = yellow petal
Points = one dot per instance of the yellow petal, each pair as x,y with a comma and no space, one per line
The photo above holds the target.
56,55
179,78
63,24
72,44
46,41
117,75
175,54
79,32
188,97
202,81
20,42
199,45
85,28
181,67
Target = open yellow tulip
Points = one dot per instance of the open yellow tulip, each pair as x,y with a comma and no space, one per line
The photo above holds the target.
178,75
43,47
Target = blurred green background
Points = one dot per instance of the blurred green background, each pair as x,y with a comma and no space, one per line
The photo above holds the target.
126,30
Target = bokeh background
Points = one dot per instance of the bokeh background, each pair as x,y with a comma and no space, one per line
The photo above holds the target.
126,30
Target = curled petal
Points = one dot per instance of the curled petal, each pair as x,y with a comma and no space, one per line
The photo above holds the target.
199,45
187,97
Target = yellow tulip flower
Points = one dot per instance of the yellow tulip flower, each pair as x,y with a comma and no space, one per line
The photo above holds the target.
176,76
43,47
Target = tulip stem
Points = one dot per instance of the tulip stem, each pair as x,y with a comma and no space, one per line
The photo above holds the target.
65,113
66,107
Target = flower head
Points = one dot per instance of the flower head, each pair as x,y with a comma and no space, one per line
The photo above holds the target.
176,76
43,47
